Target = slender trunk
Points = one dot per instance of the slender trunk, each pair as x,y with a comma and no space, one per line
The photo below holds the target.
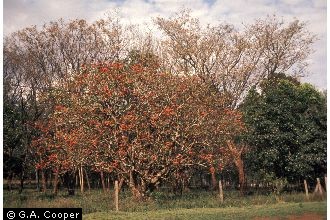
87,179
214,180
81,175
131,182
102,181
43,181
220,191
121,182
108,182
77,178
116,195
241,176
10,181
25,143
50,178
56,181
69,181
37,180
82,180
21,181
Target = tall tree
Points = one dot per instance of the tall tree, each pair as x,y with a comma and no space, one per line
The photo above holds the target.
232,61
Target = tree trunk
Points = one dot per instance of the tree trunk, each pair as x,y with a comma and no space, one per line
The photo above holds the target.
10,181
213,178
237,152
87,179
50,180
108,182
69,181
82,189
241,176
134,190
21,181
56,182
117,195
121,182
102,181
77,178
142,189
25,144
43,181
81,177
37,180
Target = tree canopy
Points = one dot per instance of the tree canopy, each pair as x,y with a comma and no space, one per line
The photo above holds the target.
110,118
287,129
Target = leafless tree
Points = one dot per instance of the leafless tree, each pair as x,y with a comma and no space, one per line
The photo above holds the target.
233,60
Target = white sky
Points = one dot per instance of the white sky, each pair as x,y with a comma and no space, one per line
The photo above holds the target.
21,13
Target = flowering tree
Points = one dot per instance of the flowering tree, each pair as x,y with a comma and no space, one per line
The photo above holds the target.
141,124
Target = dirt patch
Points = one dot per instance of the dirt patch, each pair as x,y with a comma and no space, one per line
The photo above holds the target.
306,216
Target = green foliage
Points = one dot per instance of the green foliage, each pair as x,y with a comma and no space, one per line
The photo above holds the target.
287,129
13,136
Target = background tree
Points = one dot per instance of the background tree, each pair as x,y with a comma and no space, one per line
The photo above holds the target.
287,129
38,59
18,110
13,148
233,60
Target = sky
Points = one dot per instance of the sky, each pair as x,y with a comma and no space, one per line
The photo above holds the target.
18,14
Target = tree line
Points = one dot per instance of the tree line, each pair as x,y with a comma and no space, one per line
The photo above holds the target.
103,98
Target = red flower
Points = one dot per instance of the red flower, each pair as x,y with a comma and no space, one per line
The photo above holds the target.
168,111
137,68
104,69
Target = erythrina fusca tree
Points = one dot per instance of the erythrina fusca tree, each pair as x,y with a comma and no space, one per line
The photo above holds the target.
138,123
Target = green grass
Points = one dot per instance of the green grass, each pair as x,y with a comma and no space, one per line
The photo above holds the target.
249,212
95,201
164,205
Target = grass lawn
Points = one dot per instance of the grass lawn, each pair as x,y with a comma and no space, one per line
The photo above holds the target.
199,204
280,210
